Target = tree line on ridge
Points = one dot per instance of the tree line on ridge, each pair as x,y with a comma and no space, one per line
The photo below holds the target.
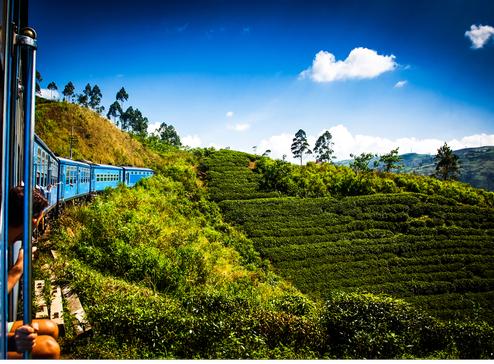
131,119
447,163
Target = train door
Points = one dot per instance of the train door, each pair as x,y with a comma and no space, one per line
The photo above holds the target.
78,180
17,63
63,181
3,200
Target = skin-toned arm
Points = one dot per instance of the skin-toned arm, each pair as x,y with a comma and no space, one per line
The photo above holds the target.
15,272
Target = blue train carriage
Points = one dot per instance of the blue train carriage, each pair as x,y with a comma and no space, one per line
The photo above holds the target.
75,179
133,175
104,176
45,171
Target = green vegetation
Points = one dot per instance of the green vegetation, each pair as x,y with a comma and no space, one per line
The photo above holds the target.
427,241
229,175
406,245
447,166
178,282
161,275
300,145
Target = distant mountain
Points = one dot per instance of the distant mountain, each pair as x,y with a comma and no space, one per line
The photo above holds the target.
476,165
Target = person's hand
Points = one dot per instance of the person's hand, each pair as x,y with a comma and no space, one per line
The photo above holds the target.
25,337
19,264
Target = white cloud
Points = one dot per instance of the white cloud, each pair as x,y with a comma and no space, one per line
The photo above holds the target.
479,35
472,141
278,144
360,63
400,84
345,143
192,141
152,127
229,114
239,127
49,94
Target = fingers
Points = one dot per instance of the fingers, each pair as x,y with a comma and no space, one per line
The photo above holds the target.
25,337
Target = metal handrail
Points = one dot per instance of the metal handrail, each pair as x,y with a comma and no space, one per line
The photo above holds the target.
27,41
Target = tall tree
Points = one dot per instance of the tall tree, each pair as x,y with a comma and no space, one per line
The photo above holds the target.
39,79
114,111
323,147
52,86
361,162
447,163
84,98
168,135
126,118
139,123
122,96
300,146
95,98
68,91
391,160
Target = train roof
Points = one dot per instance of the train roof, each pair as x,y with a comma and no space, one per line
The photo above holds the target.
96,165
70,161
138,168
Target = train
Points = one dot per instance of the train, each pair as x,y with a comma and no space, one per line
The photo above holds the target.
61,179
26,160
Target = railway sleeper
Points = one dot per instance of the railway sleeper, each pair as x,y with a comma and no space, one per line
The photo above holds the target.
79,321
55,311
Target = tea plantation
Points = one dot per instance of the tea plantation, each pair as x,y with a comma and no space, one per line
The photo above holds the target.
229,176
433,251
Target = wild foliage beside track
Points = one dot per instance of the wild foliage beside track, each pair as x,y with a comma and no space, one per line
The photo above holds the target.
162,276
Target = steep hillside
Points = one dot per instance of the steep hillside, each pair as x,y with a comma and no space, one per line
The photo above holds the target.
95,138
418,238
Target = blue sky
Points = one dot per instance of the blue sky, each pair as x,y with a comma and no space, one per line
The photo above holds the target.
377,74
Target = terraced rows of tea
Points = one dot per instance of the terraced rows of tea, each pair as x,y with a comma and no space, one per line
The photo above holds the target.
229,176
430,251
